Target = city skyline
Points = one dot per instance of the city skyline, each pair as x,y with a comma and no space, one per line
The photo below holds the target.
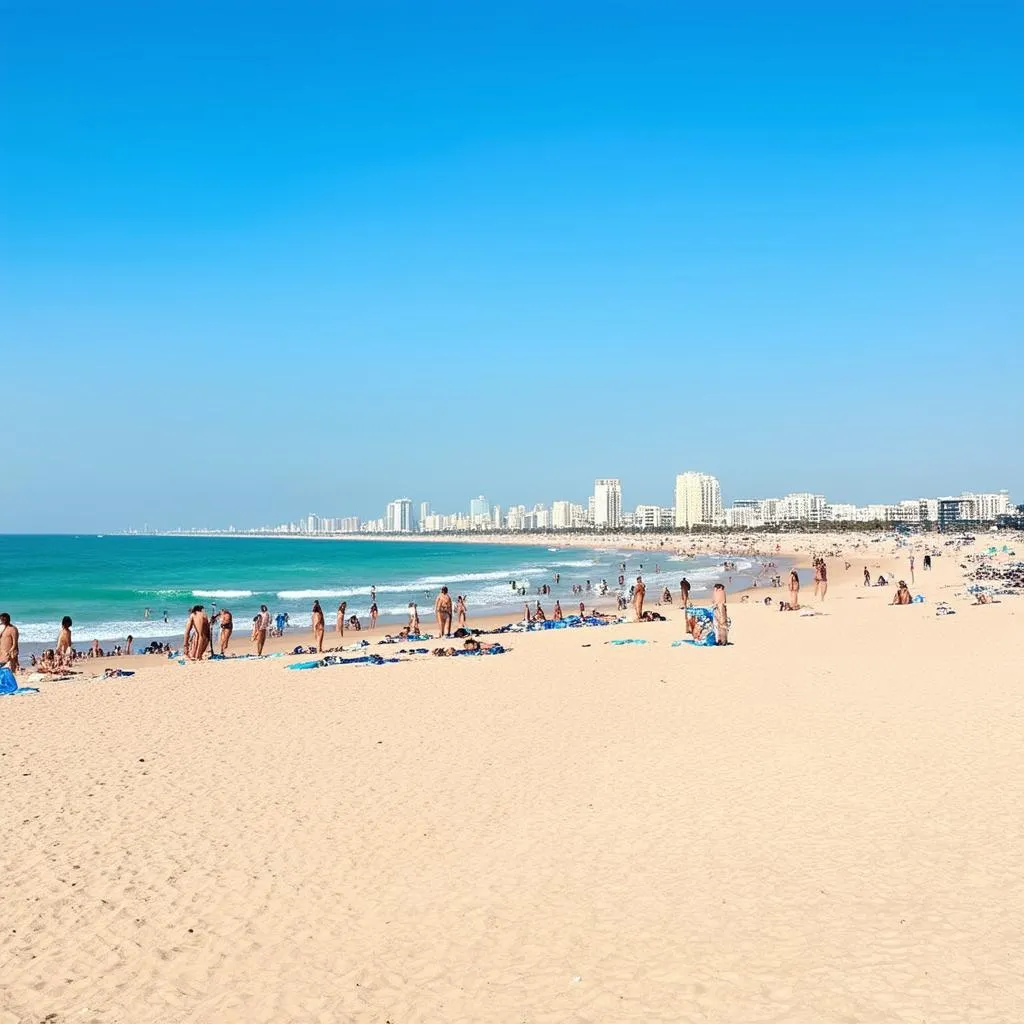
698,504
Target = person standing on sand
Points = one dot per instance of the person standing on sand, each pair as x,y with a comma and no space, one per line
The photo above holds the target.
261,627
9,643
227,624
684,591
557,613
318,626
823,581
911,568
817,576
460,611
867,577
443,611
794,591
64,639
373,615
339,622
197,634
638,598
721,615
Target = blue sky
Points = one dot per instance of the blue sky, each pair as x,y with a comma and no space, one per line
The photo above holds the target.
258,260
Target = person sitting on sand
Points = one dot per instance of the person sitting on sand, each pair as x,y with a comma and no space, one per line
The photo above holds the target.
902,595
666,596
983,599
538,615
557,614
353,623
881,582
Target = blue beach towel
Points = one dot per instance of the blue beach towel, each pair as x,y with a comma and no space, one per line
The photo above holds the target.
9,685
623,643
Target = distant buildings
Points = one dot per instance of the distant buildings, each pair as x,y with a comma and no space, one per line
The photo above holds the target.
698,505
698,501
607,513
398,517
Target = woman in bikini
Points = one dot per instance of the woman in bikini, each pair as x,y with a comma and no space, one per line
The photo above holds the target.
794,591
318,626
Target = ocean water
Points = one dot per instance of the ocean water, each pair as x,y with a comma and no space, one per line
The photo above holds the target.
106,583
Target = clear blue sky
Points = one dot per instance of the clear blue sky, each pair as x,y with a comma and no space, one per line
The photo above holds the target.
264,259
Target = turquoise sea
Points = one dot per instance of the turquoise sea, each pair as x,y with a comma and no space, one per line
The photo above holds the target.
106,583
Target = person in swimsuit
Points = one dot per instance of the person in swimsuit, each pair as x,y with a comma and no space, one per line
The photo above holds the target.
318,626
583,611
460,610
902,595
721,615
197,634
261,627
557,614
443,611
227,624
9,651
684,591
638,598
538,614
339,622
794,590
373,615
817,576
823,574
64,640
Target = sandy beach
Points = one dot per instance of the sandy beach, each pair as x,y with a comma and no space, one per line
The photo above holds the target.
820,822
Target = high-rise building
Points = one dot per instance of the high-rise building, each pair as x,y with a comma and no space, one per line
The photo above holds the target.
398,517
424,513
495,517
607,504
698,500
561,515
479,513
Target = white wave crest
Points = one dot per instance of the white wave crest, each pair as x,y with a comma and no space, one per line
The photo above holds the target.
223,593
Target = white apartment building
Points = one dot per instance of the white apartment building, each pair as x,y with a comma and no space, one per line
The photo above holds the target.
698,501
801,507
561,515
988,507
398,517
841,512
607,504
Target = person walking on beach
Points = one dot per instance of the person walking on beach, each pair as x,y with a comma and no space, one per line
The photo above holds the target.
460,611
443,611
197,634
227,624
373,615
867,577
261,627
339,622
684,592
638,598
318,626
794,591
911,568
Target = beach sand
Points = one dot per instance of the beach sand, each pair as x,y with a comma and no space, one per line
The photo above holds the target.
818,823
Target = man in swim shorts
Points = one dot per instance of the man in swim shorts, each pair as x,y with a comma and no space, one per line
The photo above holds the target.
227,624
443,611
684,591
8,643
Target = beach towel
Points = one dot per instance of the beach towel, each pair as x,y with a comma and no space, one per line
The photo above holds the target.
623,643
9,685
